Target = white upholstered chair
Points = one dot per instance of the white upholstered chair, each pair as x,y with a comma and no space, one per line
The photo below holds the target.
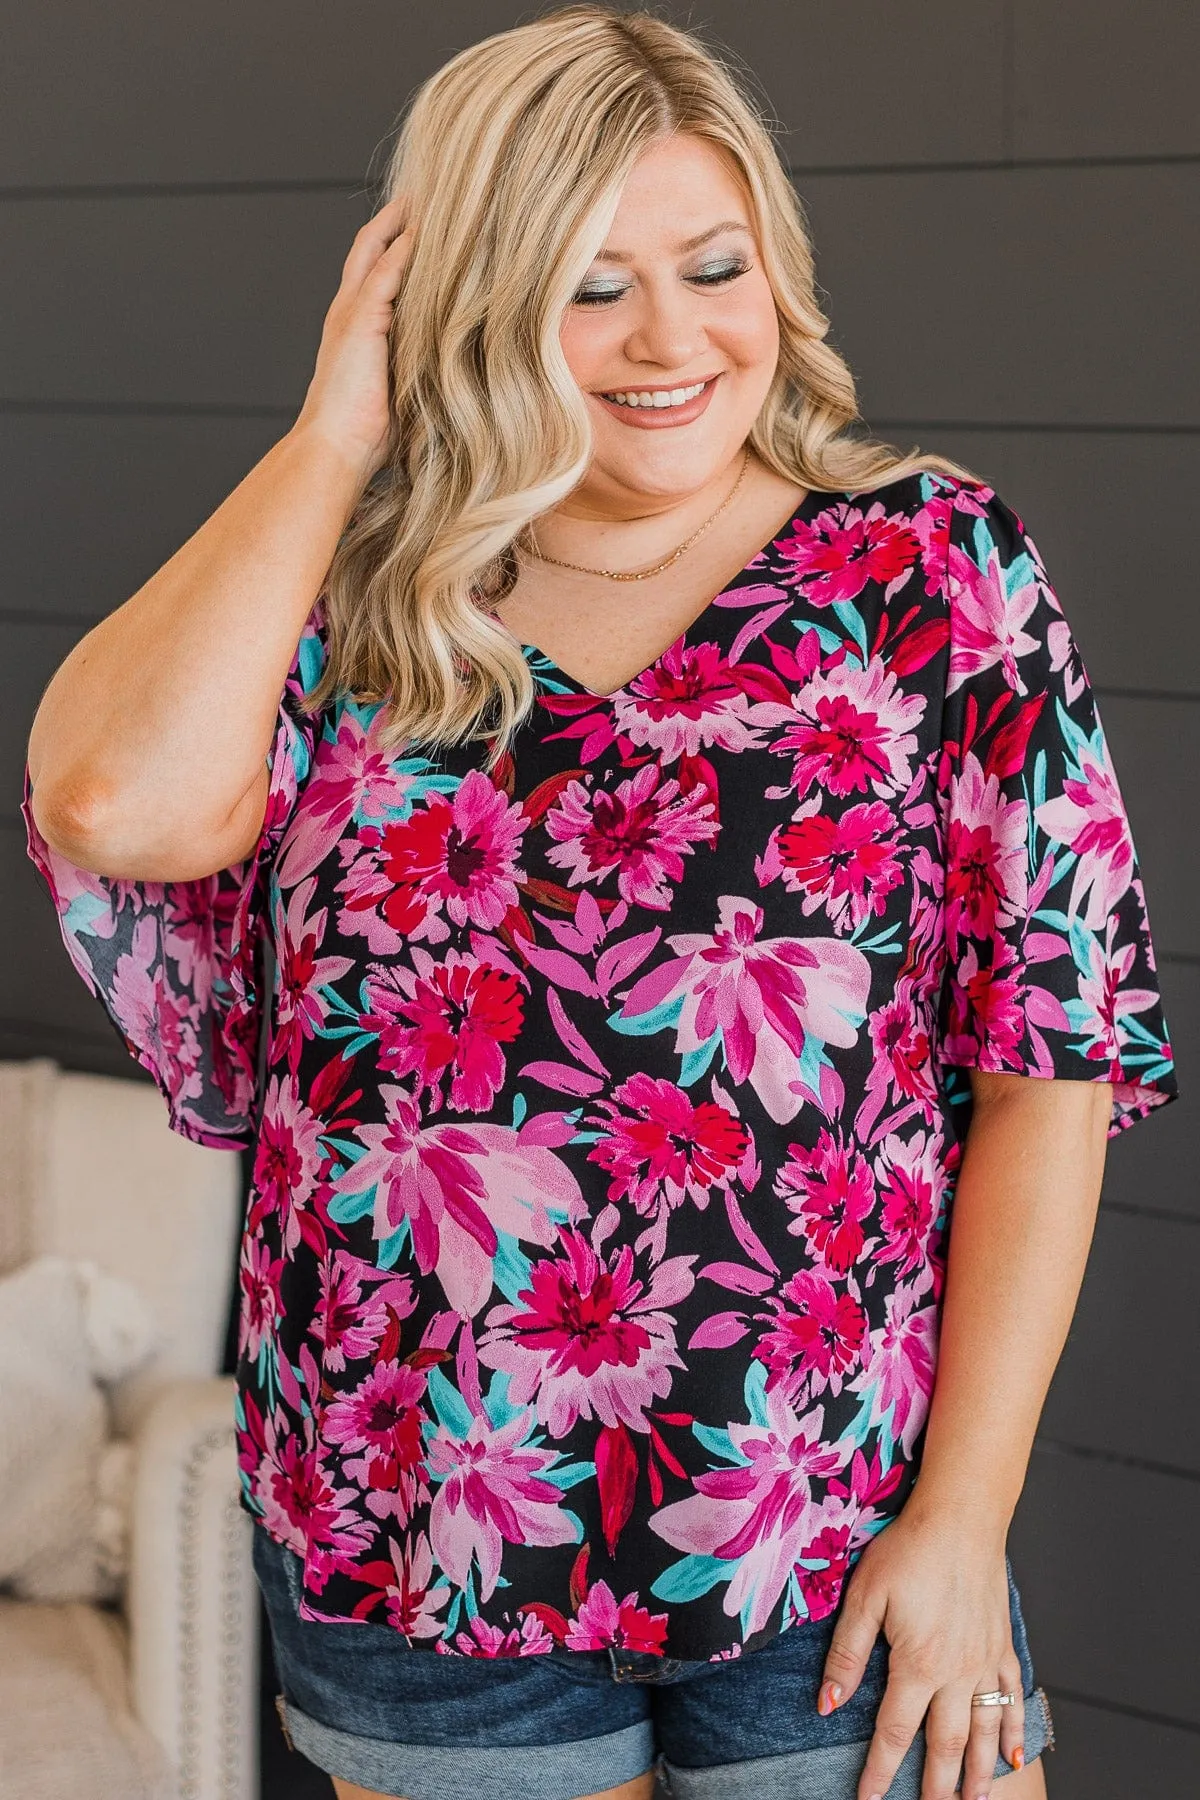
154,1698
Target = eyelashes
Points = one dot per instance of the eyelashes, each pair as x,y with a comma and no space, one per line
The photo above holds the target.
711,278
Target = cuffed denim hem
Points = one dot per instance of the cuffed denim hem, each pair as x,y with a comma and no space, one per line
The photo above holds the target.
460,1772
832,1772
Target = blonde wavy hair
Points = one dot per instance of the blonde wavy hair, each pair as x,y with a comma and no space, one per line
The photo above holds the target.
513,155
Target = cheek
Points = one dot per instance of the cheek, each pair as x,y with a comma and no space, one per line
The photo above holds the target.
588,342
751,332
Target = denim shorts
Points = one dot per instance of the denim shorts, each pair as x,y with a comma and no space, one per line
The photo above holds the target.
362,1704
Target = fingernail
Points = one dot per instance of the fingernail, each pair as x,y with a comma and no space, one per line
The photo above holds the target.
829,1697
1017,1759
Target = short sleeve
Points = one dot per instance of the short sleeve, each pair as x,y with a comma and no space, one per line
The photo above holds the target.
1050,966
176,965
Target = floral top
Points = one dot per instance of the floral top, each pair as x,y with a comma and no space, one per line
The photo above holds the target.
608,1108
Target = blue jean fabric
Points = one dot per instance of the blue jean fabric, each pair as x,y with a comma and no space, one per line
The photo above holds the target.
365,1706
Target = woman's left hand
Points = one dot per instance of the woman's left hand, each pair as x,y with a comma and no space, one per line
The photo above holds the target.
939,1593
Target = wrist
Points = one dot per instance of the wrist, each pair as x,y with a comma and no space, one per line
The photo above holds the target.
978,1518
347,468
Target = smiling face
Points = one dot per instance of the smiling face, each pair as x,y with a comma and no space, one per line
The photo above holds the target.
676,306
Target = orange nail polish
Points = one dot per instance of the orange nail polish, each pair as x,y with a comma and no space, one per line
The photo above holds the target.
1017,1759
828,1698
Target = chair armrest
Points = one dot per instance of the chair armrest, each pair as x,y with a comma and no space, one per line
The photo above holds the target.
192,1598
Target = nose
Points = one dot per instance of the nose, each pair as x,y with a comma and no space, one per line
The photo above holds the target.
668,331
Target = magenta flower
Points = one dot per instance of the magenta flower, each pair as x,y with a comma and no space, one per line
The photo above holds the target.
603,1622
587,1339
414,1598
816,1339
836,555
850,730
642,829
377,1427
689,700
986,885
831,1190
447,1019
911,1181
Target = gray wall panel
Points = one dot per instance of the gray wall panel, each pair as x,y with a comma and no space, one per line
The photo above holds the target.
1105,1560
1114,79
204,299
103,501
1124,1385
1108,1756
1155,746
1009,295
292,90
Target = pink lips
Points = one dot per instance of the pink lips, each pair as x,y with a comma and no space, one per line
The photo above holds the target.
656,418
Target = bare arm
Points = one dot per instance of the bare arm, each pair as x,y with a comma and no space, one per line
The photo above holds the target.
1023,1216
147,753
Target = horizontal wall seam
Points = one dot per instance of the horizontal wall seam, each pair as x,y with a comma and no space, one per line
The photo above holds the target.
1135,1210
1118,1706
1070,427
1086,1453
353,184
151,409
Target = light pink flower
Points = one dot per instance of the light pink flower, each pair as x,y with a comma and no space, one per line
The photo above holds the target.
1089,816
989,609
492,1491
899,1368
414,1597
603,1622
986,856
767,997
689,700
911,1183
761,1513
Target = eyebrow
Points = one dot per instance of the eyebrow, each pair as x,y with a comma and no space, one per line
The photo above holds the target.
688,243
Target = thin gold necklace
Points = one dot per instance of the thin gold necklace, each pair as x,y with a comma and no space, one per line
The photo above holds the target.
643,574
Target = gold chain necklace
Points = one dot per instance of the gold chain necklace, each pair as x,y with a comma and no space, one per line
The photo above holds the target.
643,574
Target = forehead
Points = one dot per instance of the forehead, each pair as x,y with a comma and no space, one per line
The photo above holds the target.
678,188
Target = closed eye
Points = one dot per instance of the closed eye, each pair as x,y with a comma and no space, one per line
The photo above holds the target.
605,294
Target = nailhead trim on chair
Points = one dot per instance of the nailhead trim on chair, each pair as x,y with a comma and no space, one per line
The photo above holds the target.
231,1672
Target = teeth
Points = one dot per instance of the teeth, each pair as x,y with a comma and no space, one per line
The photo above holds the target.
661,398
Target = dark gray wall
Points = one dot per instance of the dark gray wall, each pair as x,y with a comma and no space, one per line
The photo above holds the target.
1003,197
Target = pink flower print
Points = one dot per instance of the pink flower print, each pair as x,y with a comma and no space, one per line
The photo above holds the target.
302,973
493,1490
347,1326
349,771
260,1311
986,858
989,608
458,855
766,997
850,730
900,1042
603,1622
377,1426
687,701
910,1188
303,1509
985,1025
446,1018
831,1190
288,1158
1107,1001
899,1368
586,1339
1089,817
530,1638
660,1146
848,865
457,1185
760,1514
816,1339
152,1011
835,555
822,1588
643,830
414,1598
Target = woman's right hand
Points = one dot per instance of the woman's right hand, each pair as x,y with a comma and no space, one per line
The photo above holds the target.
348,399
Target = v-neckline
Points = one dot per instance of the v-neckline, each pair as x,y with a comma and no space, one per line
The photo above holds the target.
684,637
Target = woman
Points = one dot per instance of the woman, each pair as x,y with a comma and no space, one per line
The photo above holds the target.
691,860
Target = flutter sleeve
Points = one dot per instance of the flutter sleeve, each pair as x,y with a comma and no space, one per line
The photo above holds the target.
176,964
1050,966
